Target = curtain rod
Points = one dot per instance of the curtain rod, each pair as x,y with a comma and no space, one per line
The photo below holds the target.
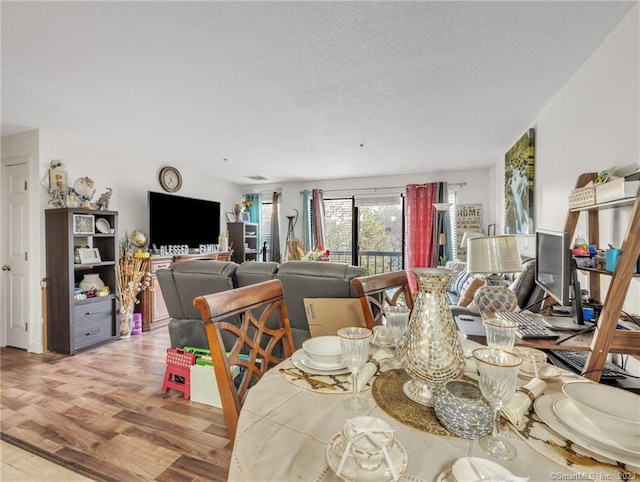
375,189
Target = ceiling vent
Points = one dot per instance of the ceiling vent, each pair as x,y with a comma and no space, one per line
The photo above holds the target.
257,178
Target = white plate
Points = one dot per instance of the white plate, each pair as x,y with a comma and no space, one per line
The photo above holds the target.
352,473
571,415
545,372
299,358
103,226
544,408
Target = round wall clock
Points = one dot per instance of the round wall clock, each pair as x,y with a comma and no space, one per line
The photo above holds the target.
170,179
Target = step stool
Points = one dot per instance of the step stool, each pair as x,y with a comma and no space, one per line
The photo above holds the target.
178,365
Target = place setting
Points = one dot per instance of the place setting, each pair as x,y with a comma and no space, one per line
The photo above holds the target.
602,419
327,364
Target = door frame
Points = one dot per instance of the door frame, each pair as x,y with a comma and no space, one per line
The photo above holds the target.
35,250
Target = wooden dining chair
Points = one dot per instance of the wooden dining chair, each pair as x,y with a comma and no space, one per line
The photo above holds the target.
378,290
247,327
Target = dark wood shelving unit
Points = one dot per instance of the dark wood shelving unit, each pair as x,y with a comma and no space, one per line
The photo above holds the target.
77,325
244,241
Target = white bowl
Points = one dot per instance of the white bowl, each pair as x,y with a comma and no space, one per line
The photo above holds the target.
529,355
612,409
323,350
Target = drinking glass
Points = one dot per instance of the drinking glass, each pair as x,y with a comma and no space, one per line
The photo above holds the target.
354,342
397,321
500,333
498,376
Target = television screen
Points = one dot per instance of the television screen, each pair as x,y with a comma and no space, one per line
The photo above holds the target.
176,220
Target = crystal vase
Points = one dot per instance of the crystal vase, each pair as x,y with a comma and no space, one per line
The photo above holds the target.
126,322
432,353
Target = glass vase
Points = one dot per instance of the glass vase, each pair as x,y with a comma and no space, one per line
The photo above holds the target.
126,322
432,353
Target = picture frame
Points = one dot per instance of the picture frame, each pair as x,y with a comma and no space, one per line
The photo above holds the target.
519,186
89,255
245,217
231,217
84,224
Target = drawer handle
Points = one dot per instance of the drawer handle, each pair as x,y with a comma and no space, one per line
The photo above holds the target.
93,332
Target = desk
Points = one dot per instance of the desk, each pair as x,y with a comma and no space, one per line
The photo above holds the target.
283,433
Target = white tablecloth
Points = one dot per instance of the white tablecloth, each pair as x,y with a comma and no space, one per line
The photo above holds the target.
283,432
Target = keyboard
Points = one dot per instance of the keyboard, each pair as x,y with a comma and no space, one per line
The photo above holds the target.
529,328
575,361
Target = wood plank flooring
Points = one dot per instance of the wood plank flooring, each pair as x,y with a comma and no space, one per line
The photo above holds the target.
103,413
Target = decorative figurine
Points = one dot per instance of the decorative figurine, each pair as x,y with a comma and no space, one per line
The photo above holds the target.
103,201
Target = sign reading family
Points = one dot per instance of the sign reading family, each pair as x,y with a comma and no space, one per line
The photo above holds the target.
518,187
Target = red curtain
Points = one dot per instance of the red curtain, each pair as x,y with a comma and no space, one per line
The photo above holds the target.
419,230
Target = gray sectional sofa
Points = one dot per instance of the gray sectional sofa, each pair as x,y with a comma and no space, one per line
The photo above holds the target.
184,280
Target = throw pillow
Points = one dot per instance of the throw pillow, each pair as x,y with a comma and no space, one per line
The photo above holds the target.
467,295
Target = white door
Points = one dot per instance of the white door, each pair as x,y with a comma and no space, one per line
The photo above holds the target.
15,258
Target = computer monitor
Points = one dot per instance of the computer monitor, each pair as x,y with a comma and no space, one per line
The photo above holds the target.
556,273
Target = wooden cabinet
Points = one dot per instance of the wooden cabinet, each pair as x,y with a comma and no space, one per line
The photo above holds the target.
73,324
152,306
244,241
607,337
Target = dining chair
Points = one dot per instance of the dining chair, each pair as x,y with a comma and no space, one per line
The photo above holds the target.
259,339
378,290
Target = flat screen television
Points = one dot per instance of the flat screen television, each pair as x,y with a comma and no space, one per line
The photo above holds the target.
177,220
556,273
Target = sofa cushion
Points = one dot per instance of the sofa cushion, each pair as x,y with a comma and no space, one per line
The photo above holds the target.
250,273
313,279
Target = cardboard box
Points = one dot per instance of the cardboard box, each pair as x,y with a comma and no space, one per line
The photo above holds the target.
204,387
327,315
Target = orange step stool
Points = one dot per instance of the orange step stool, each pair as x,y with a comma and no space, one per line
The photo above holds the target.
178,365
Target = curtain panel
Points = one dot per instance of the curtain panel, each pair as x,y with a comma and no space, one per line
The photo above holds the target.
306,220
420,244
274,250
317,205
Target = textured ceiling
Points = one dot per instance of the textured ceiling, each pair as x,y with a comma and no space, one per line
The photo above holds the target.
295,90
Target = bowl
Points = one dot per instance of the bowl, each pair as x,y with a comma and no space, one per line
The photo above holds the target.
613,410
323,350
528,356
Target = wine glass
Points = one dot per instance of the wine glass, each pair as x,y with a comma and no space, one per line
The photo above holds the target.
397,321
498,376
354,342
500,333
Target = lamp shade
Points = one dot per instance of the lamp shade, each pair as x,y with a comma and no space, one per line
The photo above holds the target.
493,254
470,235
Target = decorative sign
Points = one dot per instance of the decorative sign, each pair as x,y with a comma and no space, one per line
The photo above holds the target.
468,218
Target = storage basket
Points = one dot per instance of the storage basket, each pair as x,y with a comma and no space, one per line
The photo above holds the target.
584,196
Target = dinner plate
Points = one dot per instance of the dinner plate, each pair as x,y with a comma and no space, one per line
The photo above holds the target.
544,408
545,372
300,356
352,473
571,415
103,226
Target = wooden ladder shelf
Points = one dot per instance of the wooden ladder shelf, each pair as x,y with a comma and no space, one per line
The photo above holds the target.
607,338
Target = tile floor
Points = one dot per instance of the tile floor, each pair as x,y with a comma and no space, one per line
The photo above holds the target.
19,465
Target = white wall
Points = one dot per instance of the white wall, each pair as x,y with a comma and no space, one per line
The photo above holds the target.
591,124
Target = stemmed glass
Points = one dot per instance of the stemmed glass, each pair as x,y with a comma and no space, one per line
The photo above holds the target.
498,376
397,321
354,342
500,333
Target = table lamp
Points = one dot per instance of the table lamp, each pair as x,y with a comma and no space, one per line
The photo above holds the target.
466,237
491,256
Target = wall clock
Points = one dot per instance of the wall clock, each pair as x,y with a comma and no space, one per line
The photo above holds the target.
170,179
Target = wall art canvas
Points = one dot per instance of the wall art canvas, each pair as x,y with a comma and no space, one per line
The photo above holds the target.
519,166
468,218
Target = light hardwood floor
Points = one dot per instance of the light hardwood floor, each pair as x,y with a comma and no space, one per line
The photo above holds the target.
103,412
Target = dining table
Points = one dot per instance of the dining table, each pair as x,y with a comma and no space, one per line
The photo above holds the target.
287,424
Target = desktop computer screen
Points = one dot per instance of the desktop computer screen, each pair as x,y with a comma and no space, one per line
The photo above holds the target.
556,273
